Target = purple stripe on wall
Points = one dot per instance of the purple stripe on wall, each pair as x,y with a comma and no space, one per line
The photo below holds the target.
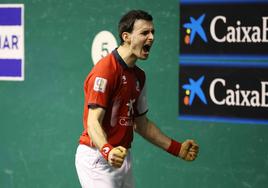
10,16
10,67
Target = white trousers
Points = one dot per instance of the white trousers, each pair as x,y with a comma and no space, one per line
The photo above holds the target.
95,172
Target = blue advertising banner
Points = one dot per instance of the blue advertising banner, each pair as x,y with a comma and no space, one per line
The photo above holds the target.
224,29
12,42
223,60
222,91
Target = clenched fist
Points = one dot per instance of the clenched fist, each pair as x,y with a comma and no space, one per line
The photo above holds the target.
116,156
189,150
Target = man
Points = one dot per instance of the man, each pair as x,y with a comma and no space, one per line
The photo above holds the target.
116,106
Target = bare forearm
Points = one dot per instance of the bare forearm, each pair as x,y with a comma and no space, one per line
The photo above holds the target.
95,131
154,135
187,150
97,134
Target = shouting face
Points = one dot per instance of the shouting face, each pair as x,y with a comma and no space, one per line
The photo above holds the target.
140,40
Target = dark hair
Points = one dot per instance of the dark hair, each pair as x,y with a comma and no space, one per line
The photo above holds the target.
127,21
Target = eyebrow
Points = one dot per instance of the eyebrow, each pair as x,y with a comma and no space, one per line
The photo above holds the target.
147,29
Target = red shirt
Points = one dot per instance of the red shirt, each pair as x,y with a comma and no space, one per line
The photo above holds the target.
120,90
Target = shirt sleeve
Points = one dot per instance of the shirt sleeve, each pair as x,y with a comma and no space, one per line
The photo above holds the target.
142,107
100,86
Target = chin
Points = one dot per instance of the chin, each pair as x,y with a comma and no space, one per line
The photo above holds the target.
144,57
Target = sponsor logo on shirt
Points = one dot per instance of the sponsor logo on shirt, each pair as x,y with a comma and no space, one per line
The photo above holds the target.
124,79
128,121
130,107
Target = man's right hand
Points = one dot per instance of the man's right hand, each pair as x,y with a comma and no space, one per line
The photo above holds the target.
116,156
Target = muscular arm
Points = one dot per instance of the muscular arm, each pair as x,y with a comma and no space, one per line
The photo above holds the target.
148,130
95,131
116,155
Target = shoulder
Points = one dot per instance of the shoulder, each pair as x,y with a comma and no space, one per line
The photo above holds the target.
140,74
108,63
106,69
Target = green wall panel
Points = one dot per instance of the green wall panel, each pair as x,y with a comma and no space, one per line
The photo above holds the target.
41,117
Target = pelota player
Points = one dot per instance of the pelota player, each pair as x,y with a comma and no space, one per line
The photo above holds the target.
115,106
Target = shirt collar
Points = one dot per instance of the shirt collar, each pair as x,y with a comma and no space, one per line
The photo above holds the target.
120,59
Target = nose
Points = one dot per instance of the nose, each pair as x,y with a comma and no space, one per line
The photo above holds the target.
151,36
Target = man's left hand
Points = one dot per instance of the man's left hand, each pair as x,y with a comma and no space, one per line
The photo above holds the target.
189,150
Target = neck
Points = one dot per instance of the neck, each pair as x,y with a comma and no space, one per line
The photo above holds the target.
126,55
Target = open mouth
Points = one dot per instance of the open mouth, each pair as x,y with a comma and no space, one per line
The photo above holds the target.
146,48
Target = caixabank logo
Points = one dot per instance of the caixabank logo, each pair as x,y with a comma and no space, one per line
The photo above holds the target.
224,28
193,28
230,92
193,89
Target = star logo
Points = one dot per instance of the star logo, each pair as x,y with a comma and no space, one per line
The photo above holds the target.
195,27
194,89
130,105
124,79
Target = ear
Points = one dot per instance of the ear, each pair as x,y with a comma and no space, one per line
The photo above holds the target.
126,37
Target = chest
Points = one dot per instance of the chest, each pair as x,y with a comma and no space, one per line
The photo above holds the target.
130,86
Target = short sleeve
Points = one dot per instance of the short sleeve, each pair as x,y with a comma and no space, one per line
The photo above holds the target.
100,86
142,106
